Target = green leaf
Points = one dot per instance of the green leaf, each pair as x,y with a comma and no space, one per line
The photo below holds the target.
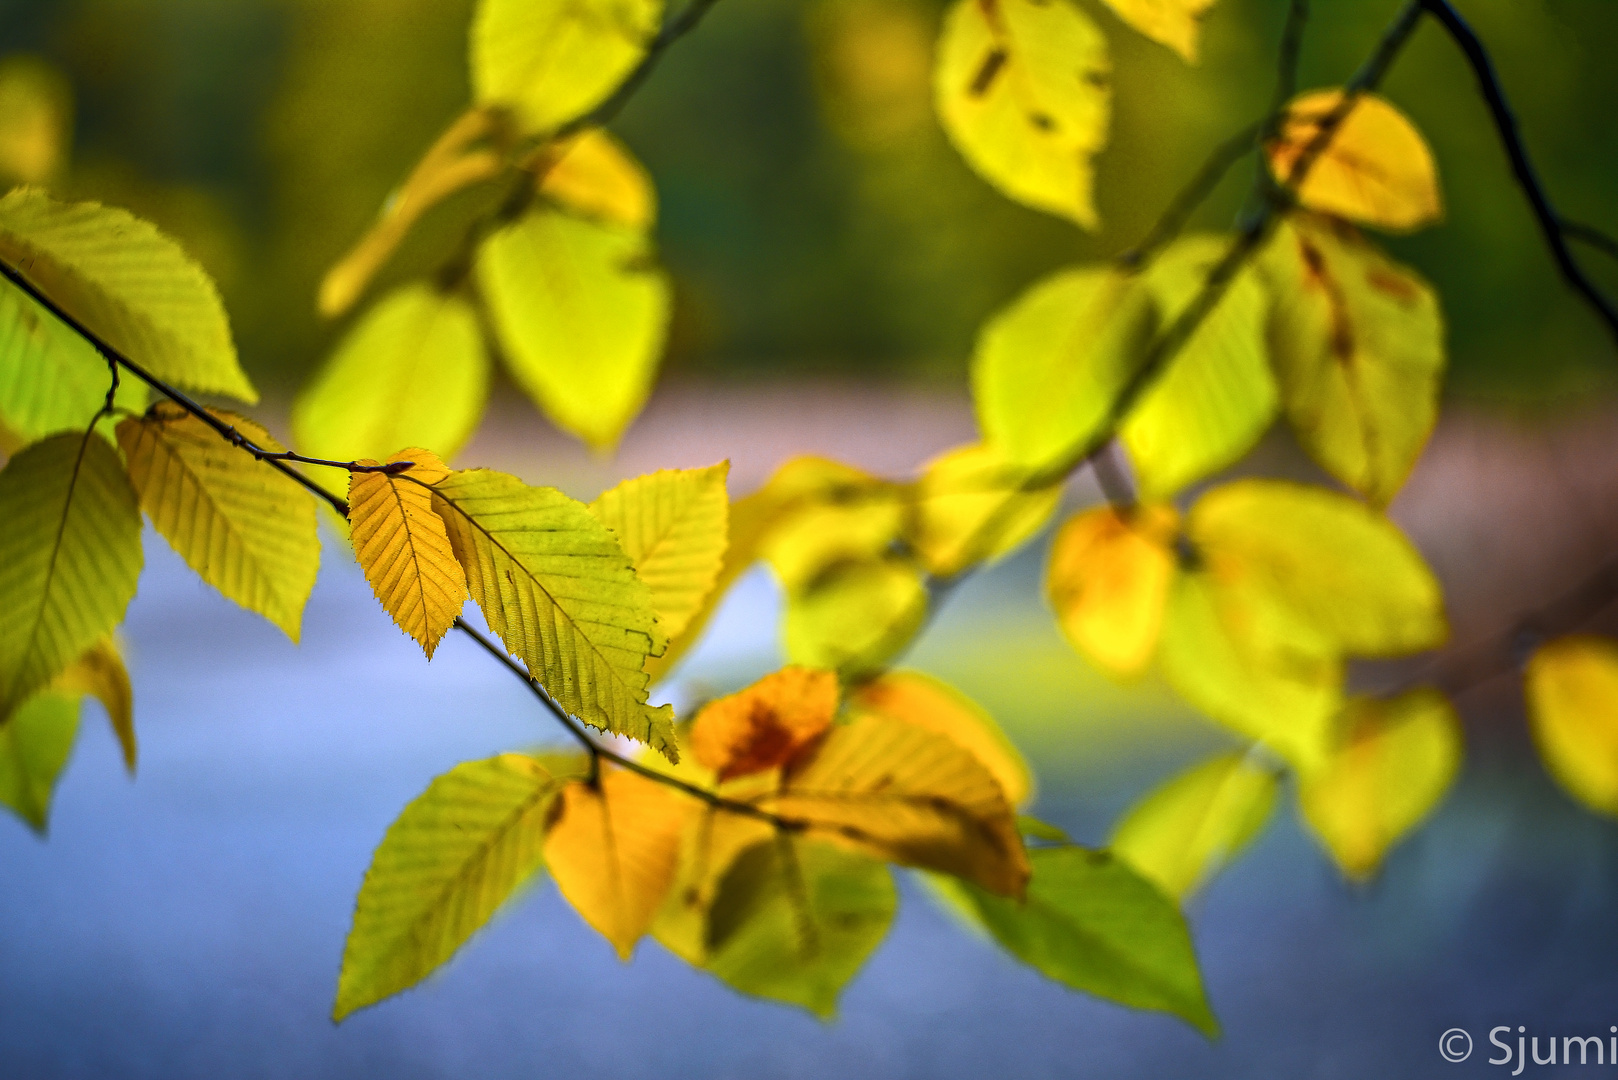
100,672
1186,831
51,379
580,310
1217,395
128,283
458,851
553,60
557,588
35,744
412,372
794,921
855,616
1094,924
246,528
970,508
69,558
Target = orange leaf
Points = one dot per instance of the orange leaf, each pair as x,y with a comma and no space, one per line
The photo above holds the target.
1108,581
765,725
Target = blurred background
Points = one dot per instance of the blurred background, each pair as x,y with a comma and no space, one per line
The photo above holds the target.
832,258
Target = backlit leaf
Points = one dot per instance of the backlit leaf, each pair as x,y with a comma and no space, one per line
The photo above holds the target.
100,672
711,841
1185,831
855,616
1572,689
245,528
1108,582
1358,347
970,508
411,372
403,547
766,725
455,854
613,850
1024,90
36,120
673,526
128,283
595,176
1175,23
35,743
1377,169
553,60
69,558
1390,764
1217,395
51,379
580,309
558,589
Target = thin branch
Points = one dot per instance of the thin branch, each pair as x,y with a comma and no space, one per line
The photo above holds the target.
1591,236
1195,192
1286,81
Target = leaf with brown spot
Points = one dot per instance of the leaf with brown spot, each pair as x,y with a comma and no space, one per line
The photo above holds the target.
765,725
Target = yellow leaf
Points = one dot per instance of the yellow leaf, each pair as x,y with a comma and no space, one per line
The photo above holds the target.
1184,832
558,589
245,528
766,725
1108,582
1175,23
1024,90
580,309
1358,347
411,372
672,525
913,698
853,522
1048,368
455,854
100,672
35,742
1377,169
908,795
36,120
1217,395
594,175
1572,689
1391,763
613,850
403,547
970,508
711,841
69,558
129,284
551,61
855,616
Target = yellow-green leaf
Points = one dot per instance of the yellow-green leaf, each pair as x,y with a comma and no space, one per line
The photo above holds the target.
35,743
711,841
1377,169
36,120
594,175
1390,763
455,854
69,558
673,526
51,379
557,588
402,546
412,372
245,528
1217,395
100,672
1024,89
580,309
971,508
855,616
128,283
1108,582
1572,689
1358,346
1185,831
553,60
1175,23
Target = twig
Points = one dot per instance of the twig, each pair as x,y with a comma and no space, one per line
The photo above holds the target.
1591,236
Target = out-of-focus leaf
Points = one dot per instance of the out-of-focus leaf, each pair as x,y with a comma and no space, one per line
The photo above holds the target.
551,61
613,850
35,743
1048,368
1175,23
855,616
1024,90
100,672
450,860
1108,582
245,528
1358,347
673,526
970,509
1390,764
1185,831
1092,923
711,841
1217,395
580,309
411,372
594,175
911,697
129,284
1572,689
69,558
51,379
1377,169
766,725
555,585
403,547
36,117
